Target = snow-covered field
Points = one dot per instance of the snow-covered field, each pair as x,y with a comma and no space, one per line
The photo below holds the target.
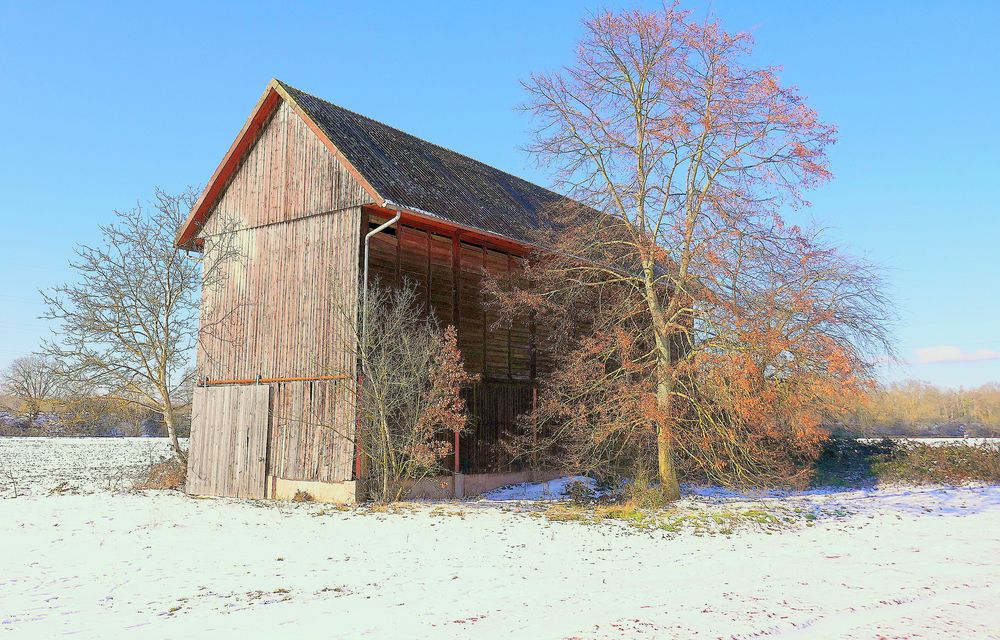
35,466
893,563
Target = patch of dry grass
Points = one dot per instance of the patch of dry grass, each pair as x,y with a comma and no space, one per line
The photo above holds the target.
675,519
169,473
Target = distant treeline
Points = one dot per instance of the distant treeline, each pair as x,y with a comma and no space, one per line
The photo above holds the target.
81,417
910,408
914,408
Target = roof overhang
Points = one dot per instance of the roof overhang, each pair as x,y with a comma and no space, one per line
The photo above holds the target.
429,222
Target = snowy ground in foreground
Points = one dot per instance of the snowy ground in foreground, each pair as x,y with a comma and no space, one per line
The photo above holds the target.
899,563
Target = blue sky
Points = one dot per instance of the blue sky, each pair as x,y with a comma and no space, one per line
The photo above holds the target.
103,101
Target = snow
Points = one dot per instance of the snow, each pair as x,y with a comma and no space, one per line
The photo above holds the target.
551,490
897,562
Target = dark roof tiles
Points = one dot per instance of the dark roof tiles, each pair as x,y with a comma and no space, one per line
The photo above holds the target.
417,174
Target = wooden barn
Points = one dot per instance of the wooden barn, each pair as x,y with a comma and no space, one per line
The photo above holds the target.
299,189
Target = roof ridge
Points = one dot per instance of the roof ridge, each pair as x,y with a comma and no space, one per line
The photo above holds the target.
419,139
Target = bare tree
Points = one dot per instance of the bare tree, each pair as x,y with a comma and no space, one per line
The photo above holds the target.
409,398
129,323
714,331
32,381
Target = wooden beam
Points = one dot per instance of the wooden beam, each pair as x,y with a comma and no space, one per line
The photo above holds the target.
430,284
445,228
456,267
456,276
484,339
510,337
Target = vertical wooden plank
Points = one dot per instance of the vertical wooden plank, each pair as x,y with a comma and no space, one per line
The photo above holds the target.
441,278
231,460
257,459
456,258
496,338
413,261
197,458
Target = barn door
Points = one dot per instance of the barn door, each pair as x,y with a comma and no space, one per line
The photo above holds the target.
228,450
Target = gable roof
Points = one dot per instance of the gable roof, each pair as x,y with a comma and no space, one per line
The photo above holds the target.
397,169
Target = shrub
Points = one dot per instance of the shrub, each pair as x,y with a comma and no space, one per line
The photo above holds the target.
169,473
303,496
957,463
409,403
580,492
848,461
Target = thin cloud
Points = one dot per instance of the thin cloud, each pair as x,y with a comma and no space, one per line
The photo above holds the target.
947,353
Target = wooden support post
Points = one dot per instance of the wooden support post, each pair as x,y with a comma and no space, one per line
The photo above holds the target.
399,255
428,308
510,329
456,267
486,325
456,277
534,426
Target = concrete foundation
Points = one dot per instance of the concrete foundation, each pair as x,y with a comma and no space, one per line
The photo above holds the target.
331,492
436,488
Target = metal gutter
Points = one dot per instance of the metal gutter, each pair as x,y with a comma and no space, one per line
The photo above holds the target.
364,282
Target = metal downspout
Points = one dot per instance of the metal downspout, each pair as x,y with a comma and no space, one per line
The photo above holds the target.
363,338
364,284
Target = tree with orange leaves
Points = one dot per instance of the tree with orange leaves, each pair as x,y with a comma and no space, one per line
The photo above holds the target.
694,327
409,401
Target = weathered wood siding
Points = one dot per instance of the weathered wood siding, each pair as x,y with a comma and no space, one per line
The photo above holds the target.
228,446
279,311
289,173
312,430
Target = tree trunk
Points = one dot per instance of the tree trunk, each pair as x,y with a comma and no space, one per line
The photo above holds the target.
170,420
666,469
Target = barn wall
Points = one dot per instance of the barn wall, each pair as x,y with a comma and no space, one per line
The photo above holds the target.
426,259
293,215
504,357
